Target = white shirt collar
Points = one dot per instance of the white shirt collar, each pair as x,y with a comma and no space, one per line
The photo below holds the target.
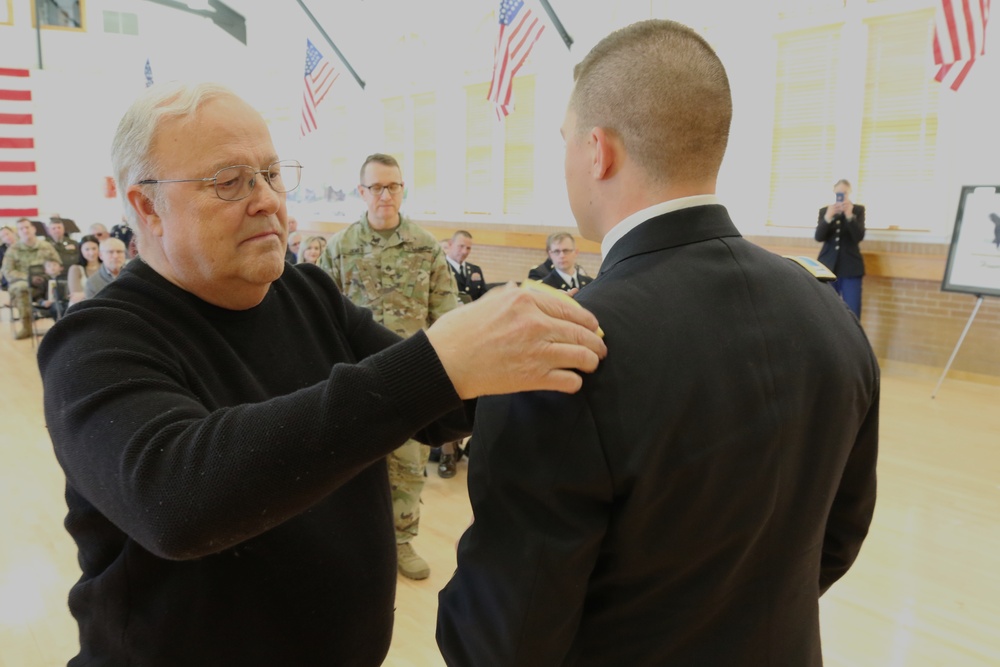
566,276
639,217
458,267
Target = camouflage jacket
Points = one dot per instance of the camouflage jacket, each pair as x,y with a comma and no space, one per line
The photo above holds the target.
404,280
21,256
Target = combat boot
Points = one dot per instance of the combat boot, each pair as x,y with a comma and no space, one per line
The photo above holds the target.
24,307
411,565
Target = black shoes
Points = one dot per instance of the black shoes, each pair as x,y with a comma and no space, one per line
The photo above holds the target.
446,468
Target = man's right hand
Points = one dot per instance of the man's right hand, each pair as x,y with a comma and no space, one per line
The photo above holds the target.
514,340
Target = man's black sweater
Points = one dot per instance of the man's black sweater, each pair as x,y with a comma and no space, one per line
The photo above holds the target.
224,470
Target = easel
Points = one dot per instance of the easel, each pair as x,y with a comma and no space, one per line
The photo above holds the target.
979,302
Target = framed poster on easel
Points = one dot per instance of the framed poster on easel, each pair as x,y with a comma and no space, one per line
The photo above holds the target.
974,256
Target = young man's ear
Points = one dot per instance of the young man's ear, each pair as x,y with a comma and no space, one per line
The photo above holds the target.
145,210
607,150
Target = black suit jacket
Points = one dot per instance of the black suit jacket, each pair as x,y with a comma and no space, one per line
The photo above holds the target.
555,280
841,238
474,285
692,502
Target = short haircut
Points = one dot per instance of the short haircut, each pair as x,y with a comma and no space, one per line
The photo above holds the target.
131,149
675,121
381,158
556,238
462,233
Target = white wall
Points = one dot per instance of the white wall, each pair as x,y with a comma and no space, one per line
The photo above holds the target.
398,47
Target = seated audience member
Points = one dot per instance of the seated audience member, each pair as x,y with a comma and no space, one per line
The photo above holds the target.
8,237
30,250
294,241
68,249
112,252
55,297
69,225
566,274
87,265
542,270
124,233
311,249
99,231
468,276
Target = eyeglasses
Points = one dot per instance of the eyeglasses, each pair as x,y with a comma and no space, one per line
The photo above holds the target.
562,251
378,188
237,182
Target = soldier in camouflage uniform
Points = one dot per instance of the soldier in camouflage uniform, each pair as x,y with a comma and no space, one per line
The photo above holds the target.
27,252
393,267
68,248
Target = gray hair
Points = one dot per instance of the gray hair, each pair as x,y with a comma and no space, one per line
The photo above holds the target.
131,148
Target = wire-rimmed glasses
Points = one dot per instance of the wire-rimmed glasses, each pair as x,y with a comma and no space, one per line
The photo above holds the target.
237,182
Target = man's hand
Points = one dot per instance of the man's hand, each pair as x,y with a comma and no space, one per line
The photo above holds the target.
516,340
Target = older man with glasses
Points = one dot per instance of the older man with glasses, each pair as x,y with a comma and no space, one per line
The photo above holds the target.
223,417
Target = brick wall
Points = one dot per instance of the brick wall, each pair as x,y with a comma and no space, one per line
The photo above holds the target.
914,322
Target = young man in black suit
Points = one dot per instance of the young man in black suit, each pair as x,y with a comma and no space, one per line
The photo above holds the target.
692,502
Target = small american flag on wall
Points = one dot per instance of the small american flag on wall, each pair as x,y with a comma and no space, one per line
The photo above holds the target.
18,178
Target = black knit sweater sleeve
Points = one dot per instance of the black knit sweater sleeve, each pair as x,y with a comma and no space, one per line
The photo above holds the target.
193,428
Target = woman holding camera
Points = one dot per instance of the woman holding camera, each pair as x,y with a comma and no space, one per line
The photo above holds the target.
840,228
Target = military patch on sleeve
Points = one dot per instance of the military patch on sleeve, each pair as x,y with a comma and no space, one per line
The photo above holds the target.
819,271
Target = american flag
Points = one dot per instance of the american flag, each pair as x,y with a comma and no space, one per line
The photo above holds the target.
18,179
959,38
319,77
519,30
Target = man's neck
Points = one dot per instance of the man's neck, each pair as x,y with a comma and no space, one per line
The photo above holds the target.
384,226
567,273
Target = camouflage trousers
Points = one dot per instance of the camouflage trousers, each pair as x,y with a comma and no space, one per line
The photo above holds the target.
18,289
406,478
